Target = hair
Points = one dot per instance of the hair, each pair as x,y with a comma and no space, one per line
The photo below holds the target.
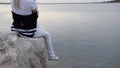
16,3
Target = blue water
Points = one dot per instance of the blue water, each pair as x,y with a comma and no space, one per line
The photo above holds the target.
84,35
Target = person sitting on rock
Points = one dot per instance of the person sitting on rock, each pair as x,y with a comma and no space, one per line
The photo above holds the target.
25,14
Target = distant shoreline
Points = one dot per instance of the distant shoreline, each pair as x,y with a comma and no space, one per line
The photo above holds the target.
77,3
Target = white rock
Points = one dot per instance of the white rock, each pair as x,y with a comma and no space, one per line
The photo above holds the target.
16,52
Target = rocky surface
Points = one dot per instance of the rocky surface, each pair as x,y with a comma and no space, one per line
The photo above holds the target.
16,52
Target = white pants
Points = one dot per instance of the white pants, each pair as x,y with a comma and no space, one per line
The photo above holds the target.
48,41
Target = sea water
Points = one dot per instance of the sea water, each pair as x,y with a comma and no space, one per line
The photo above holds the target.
84,35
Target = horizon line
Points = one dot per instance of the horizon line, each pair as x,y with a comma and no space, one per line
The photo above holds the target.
71,3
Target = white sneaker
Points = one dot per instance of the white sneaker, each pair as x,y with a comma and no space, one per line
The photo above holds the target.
53,58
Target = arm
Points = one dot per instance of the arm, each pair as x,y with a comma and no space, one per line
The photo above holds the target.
34,6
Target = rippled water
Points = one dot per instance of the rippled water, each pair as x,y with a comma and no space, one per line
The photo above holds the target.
84,35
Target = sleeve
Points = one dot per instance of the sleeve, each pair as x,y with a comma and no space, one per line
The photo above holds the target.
33,4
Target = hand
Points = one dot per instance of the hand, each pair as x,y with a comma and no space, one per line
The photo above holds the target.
35,11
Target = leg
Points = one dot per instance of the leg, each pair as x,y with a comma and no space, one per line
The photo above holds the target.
42,33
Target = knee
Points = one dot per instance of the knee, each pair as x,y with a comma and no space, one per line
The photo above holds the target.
47,33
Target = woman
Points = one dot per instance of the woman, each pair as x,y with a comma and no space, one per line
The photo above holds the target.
25,14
